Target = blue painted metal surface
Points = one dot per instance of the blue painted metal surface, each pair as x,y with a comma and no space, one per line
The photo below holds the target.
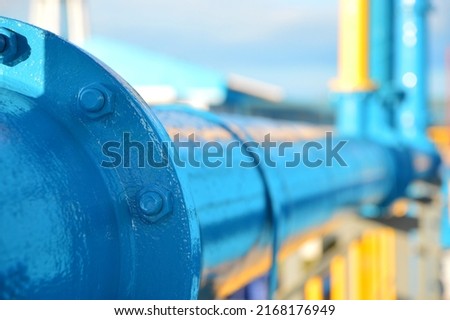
395,114
382,34
234,206
68,227
380,120
412,116
71,228
411,70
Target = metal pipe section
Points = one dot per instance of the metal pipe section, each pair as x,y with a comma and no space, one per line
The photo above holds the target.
70,227
380,123
412,112
388,115
411,69
353,85
231,197
102,195
382,26
353,64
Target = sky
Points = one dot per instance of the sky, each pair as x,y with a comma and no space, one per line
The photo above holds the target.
291,43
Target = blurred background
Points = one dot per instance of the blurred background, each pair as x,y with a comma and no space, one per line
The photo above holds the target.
287,48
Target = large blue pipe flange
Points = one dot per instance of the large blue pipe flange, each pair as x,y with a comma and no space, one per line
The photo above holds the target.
70,226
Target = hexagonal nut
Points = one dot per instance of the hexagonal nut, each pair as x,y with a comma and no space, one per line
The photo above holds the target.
96,101
9,46
154,212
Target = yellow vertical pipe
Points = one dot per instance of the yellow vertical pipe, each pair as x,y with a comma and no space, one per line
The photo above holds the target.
353,51
369,266
338,278
392,263
376,264
314,289
354,270
385,265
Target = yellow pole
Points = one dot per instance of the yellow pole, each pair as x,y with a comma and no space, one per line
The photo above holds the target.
392,263
385,264
338,278
314,289
354,270
369,266
353,64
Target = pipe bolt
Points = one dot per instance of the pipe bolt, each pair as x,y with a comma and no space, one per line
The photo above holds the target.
95,101
154,203
3,43
8,46
92,100
151,203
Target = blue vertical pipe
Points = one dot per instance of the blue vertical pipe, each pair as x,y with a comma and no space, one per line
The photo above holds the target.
380,121
411,76
351,113
382,42
360,112
353,84
411,69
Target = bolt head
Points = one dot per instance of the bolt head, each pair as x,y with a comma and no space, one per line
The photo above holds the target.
92,100
151,203
95,101
154,203
8,46
3,43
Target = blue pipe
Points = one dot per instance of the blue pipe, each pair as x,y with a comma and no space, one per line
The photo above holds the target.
234,207
411,70
382,42
76,213
371,114
69,227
